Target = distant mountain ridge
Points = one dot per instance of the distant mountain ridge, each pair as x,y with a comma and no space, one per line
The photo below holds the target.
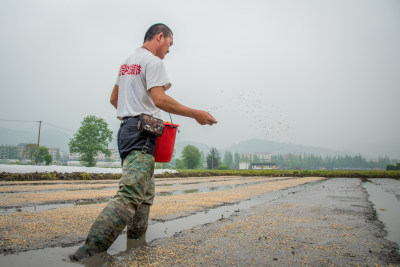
260,145
48,138
55,138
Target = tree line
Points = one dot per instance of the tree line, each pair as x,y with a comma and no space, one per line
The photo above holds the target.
192,158
94,137
28,152
314,162
392,167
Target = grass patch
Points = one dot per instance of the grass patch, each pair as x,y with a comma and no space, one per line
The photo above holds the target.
282,173
202,173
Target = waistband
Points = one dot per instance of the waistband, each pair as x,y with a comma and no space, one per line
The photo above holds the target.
124,119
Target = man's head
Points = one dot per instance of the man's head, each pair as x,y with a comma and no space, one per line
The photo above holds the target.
158,39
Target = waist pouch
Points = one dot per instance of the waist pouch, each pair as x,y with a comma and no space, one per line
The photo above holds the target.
150,125
131,138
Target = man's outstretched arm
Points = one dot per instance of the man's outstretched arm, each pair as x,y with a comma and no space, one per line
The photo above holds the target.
168,104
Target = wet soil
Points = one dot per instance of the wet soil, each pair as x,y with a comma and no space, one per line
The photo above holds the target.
331,223
383,194
22,231
391,186
28,197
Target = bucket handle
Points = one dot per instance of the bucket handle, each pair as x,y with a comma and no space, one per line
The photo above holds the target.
173,126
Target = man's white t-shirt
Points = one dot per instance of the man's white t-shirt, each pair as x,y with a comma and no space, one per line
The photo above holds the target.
138,74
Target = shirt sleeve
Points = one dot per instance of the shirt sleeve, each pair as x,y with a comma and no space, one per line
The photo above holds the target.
156,75
118,75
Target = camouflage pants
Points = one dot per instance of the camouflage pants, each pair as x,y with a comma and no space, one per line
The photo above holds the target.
137,190
130,206
136,185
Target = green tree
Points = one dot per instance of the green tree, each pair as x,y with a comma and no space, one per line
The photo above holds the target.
179,164
213,159
256,159
48,159
30,151
223,167
228,159
91,138
43,152
172,163
236,160
203,160
58,155
392,167
191,157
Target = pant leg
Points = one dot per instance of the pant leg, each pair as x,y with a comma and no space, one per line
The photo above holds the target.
138,227
137,171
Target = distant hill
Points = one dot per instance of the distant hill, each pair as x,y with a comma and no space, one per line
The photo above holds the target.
56,138
259,145
48,137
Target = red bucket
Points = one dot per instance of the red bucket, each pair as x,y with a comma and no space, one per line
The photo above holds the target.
165,143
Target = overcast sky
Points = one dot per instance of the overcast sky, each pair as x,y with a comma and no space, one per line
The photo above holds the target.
321,73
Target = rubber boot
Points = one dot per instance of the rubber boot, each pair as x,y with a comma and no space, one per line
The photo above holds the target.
105,229
138,227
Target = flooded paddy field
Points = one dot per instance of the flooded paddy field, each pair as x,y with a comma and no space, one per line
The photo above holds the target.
210,221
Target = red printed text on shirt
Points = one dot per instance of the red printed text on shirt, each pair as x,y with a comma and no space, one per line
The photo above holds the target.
133,69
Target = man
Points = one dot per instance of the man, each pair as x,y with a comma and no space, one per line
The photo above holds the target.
140,88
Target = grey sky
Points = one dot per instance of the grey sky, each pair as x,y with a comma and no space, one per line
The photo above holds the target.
322,73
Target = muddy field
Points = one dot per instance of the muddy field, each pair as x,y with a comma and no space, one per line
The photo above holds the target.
206,221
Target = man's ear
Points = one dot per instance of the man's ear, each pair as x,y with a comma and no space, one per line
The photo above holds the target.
160,36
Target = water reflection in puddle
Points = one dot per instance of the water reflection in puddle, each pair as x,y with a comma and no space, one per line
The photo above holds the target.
387,207
116,187
57,190
44,207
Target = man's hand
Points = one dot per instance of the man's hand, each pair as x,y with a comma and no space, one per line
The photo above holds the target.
203,117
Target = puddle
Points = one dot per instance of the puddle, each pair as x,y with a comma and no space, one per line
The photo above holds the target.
214,188
36,208
57,190
45,207
59,256
116,186
59,182
387,207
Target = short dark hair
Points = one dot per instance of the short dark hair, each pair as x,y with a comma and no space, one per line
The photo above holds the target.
156,29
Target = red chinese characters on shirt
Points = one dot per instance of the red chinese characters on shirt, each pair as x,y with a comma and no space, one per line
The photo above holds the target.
133,69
